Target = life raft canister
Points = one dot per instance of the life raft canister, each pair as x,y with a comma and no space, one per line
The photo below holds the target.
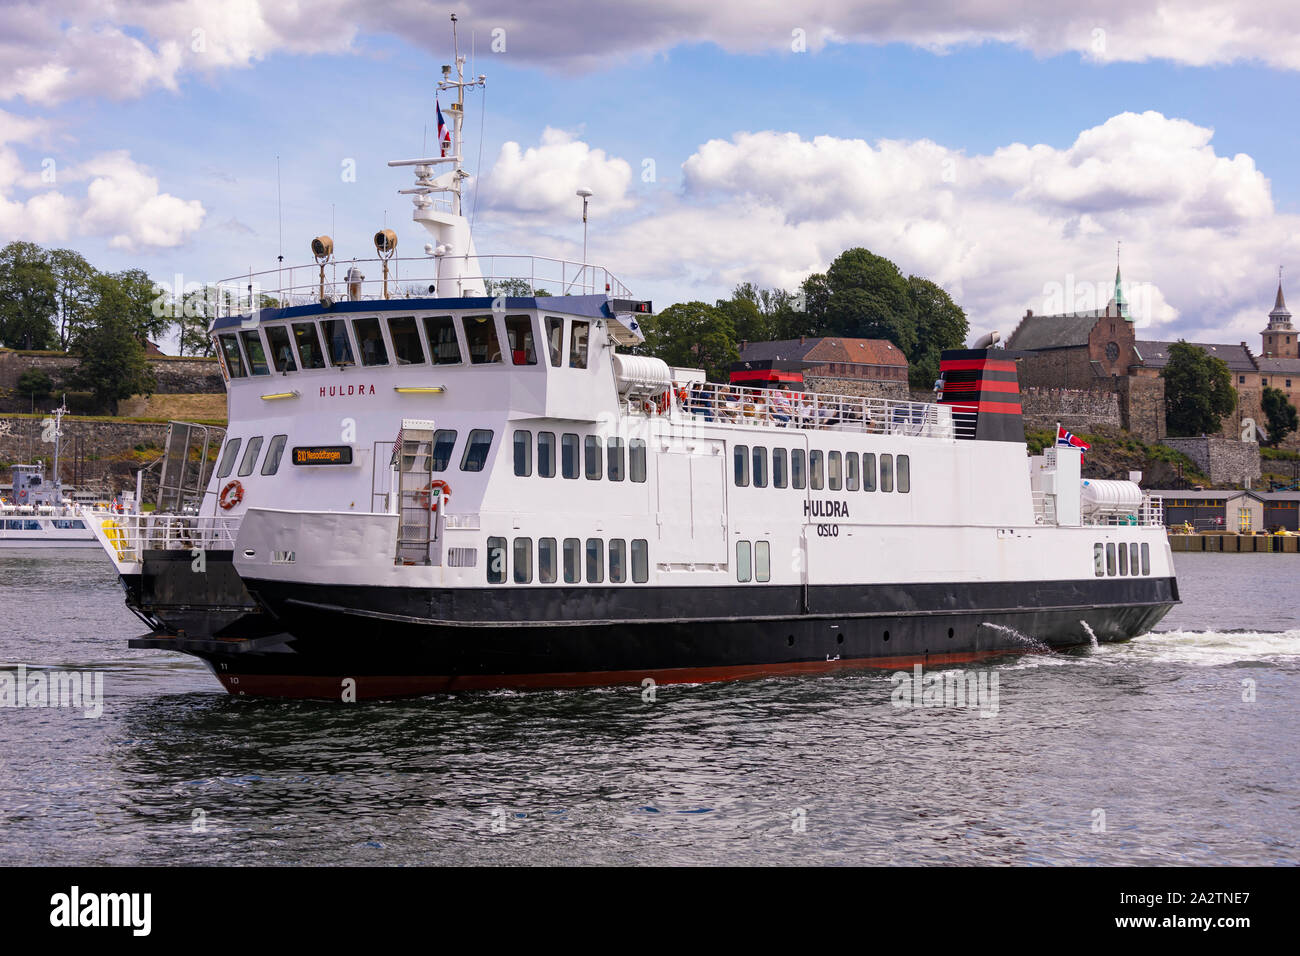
231,495
425,495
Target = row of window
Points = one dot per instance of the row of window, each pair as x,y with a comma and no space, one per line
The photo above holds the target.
31,524
476,339
753,561
1123,559
817,469
270,465
576,557
622,459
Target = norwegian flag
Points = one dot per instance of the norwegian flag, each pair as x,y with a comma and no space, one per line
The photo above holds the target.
397,449
1074,441
444,134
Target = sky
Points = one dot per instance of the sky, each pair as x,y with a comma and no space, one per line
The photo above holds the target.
1008,154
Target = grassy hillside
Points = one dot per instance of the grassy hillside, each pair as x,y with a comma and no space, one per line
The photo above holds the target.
1115,453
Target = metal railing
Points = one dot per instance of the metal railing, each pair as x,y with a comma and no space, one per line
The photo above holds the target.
413,277
130,535
778,408
1150,512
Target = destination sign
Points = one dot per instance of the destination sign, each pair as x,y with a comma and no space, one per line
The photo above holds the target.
323,455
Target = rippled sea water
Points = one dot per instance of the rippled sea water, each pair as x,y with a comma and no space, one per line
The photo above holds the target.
1152,738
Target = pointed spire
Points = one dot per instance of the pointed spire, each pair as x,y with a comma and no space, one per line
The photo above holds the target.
1280,305
1121,307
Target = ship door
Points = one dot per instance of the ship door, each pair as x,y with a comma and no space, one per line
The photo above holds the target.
692,505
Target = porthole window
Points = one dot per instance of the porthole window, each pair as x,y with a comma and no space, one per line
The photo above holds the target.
523,452
1146,558
762,561
636,459
572,560
1133,559
569,455
869,471
1099,559
904,469
780,473
1123,560
617,561
640,561
798,468
614,456
523,560
816,470
886,472
496,560
744,560
477,447
546,454
591,456
834,471
595,561
1110,559
760,466
740,460
850,471
547,560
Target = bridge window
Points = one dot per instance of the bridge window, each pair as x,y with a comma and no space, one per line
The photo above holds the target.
798,468
519,332
1099,559
569,455
444,440
834,469
228,459
441,333
740,459
370,342
336,337
816,470
578,344
273,455
547,560
406,340
523,560
640,561
615,455
868,471
744,571
496,560
760,466
253,347
780,477
1146,558
595,561
523,452
476,449
546,454
762,561
850,471
277,336
572,561
234,360
617,561
904,469
309,350
249,460
481,340
886,472
636,459
555,339
591,456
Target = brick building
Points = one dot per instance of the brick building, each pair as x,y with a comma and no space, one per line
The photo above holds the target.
853,366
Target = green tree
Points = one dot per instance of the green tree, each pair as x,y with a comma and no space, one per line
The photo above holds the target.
73,291
27,297
1198,391
35,383
862,295
940,324
1280,413
112,361
746,317
693,335
148,308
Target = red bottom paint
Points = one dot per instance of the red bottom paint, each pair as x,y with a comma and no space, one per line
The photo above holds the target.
380,686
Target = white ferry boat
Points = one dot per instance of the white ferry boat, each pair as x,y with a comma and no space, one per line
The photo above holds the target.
464,490
35,513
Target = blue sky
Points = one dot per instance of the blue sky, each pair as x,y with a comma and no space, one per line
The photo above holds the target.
1203,233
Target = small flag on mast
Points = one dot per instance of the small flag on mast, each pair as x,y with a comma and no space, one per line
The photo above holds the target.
1064,437
444,134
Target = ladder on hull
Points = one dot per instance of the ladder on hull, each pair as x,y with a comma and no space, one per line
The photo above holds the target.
417,522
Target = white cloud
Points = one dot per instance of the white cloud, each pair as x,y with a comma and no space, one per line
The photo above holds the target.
545,178
1201,237
122,201
124,48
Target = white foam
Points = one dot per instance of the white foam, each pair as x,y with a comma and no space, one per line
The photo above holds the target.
1209,648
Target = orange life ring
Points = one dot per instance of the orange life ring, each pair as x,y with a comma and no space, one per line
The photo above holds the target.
231,495
424,495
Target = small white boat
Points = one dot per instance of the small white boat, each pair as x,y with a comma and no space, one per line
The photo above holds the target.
35,514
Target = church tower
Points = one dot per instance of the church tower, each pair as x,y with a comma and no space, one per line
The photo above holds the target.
1280,336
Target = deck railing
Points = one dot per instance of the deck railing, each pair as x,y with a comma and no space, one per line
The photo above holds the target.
412,277
779,408
131,535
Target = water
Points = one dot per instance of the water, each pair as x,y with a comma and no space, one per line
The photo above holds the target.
1154,734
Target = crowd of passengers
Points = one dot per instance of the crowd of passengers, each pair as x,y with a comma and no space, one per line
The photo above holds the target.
785,408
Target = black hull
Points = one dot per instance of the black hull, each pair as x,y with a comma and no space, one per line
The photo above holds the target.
397,641
172,598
